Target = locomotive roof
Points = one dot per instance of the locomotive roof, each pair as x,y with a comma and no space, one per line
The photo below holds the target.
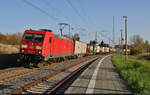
55,35
62,37
40,30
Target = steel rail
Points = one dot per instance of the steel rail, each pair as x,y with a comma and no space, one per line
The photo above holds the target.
25,72
20,90
69,77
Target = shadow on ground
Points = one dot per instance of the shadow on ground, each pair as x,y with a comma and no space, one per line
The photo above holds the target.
8,61
147,57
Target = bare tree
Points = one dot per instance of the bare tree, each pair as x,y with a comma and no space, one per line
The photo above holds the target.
137,44
147,46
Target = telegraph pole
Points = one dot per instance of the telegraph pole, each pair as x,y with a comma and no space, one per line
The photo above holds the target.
113,30
125,17
119,43
121,30
96,36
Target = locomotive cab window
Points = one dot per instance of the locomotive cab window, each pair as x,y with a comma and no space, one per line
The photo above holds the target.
28,36
33,37
38,37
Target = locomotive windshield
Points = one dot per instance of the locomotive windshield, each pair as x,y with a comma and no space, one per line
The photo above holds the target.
33,37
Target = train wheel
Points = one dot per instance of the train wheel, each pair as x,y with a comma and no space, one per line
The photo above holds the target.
27,64
50,61
63,59
35,64
59,59
45,63
54,60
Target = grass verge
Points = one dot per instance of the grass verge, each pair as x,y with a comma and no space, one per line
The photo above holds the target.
135,71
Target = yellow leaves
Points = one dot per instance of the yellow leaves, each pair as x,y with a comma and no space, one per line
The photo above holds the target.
13,39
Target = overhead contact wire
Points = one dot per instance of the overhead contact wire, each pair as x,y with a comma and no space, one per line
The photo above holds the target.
41,10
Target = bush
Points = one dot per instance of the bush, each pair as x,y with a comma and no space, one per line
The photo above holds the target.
135,73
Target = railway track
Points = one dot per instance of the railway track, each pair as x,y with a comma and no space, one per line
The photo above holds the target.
7,87
9,74
52,83
5,76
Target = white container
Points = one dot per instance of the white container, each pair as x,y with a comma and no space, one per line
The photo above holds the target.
80,48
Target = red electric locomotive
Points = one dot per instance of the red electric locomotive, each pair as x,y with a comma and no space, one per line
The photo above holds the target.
41,45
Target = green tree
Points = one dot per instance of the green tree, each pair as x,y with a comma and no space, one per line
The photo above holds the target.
102,44
76,37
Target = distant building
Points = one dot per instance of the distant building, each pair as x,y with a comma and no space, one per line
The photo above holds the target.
119,49
128,48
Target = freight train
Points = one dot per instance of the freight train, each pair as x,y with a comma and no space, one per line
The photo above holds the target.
42,46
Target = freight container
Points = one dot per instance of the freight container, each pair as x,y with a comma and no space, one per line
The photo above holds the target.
98,51
91,48
79,48
102,49
95,48
106,50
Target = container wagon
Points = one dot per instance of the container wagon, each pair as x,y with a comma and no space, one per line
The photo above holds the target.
98,49
95,49
80,48
106,50
101,49
89,50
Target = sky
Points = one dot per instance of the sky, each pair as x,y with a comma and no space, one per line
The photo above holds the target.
86,17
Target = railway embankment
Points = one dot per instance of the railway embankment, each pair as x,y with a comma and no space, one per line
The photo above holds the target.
135,71
8,49
8,56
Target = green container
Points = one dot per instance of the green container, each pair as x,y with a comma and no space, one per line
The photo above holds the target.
95,48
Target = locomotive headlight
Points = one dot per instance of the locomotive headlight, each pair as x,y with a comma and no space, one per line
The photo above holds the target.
38,47
24,46
22,51
39,52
